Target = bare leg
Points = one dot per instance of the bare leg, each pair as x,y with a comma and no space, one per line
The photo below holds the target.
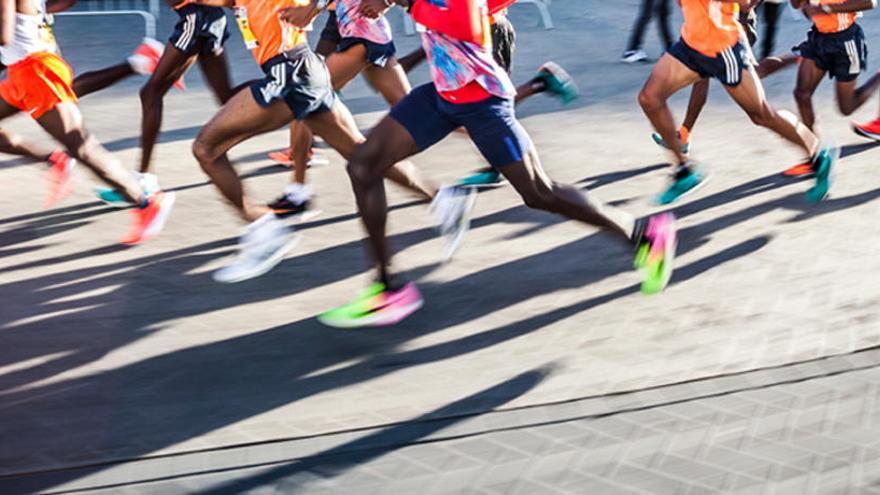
809,77
412,59
325,47
668,77
749,95
65,124
240,118
14,144
173,64
850,98
699,95
770,65
216,71
97,80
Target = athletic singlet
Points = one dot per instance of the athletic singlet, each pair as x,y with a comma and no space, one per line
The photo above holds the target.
710,26
33,33
834,22
265,35
353,25
456,63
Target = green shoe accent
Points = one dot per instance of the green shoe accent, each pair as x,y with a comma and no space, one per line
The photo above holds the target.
355,309
111,197
685,148
486,178
681,187
641,258
823,176
559,83
655,276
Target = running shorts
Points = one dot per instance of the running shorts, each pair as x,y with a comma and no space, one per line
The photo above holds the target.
378,54
727,66
38,83
844,55
197,23
331,29
300,78
503,42
490,123
749,23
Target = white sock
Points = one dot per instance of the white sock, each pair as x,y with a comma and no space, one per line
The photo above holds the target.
298,193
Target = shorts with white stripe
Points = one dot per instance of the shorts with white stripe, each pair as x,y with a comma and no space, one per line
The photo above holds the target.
300,78
844,55
727,66
200,24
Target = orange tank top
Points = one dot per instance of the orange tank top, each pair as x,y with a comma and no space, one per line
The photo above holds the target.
710,27
836,22
264,33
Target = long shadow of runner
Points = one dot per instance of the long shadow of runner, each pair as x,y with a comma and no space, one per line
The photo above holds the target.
157,402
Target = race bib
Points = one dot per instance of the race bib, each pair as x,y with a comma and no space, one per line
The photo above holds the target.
250,41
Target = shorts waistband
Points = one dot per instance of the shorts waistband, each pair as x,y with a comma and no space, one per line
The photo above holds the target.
845,34
294,53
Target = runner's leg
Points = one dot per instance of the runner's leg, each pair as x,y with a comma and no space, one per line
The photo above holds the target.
809,77
216,70
668,77
699,95
850,98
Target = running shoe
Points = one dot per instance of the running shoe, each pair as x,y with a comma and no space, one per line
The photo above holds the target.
109,196
685,141
283,157
871,130
682,186
375,306
558,82
655,254
452,207
284,207
804,169
824,163
59,176
633,56
261,247
149,221
146,56
484,178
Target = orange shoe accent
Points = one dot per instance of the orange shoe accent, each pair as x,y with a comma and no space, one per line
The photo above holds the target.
282,157
870,130
149,221
150,51
799,170
59,177
180,84
684,135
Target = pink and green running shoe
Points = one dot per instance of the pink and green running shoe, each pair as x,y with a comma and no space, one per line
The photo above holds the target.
655,255
375,306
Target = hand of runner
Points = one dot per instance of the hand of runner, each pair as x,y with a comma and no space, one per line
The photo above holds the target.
374,9
812,10
300,16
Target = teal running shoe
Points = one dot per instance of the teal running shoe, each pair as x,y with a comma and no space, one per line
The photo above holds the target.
558,82
658,139
683,186
112,197
825,161
655,254
484,178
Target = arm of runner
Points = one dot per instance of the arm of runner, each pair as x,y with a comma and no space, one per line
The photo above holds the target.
7,22
457,18
374,9
304,13
53,6
176,4
839,8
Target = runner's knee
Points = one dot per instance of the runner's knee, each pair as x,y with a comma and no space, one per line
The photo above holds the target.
360,168
764,116
649,100
203,152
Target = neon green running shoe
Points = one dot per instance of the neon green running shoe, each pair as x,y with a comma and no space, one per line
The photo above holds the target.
655,254
375,306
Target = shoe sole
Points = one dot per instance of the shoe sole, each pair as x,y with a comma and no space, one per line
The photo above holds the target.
375,320
158,222
298,217
491,185
866,134
264,267
686,193
464,224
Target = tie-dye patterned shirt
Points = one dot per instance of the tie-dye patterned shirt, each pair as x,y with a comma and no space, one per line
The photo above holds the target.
456,63
353,25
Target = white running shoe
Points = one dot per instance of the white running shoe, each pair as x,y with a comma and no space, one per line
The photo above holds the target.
261,247
633,56
452,209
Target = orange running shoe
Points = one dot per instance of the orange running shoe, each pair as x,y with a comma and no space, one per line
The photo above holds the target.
804,169
282,157
59,177
146,56
149,221
871,130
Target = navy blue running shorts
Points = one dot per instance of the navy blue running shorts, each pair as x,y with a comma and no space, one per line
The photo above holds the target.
727,66
377,54
300,78
491,124
844,55
196,23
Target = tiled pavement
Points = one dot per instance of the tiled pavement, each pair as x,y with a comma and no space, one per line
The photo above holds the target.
110,354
